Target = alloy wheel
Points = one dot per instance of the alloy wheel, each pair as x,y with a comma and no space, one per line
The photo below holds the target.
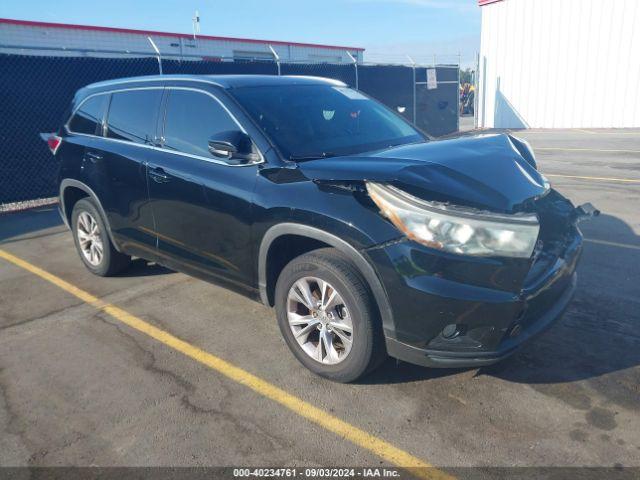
319,320
89,239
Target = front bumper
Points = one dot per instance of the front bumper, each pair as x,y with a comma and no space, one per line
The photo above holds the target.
484,299
453,359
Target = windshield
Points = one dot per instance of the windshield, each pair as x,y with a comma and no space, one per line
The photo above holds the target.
312,121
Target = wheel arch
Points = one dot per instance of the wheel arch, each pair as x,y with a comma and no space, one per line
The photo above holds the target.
317,235
68,184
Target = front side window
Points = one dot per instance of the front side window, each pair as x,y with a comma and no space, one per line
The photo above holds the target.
132,115
191,120
88,118
310,121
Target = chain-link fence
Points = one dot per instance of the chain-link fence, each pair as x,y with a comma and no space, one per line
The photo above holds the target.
35,92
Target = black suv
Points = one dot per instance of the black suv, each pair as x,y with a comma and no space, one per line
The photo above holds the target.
367,237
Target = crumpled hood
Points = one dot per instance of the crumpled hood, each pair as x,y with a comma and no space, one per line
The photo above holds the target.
484,171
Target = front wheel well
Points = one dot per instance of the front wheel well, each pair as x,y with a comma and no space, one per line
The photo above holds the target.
281,251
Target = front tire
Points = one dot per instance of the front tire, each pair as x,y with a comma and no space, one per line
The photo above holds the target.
92,241
327,316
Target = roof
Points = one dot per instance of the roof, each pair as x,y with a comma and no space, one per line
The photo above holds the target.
71,26
224,81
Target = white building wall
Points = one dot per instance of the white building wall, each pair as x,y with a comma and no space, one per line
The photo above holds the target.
54,41
560,64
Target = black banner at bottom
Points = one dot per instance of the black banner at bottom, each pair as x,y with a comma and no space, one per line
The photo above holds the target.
234,473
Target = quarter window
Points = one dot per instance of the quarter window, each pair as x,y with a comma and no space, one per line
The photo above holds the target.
132,115
88,118
192,118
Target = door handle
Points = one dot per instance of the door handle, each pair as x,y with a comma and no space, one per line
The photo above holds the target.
158,175
93,156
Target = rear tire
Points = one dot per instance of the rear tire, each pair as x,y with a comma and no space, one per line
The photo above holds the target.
92,241
341,339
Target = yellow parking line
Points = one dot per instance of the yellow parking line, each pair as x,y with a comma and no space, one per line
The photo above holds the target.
564,131
355,435
595,150
591,132
612,244
603,179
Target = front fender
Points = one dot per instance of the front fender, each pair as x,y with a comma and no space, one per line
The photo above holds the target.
359,259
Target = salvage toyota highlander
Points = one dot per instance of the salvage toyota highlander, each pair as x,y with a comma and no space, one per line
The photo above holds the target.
367,237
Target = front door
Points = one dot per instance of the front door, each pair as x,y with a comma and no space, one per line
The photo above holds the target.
201,204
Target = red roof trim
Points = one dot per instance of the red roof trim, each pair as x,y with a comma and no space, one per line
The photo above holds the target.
487,2
71,26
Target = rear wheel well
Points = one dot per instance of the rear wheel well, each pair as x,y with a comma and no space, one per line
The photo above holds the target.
281,251
70,197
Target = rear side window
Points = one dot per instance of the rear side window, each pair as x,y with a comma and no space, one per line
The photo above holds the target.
132,115
192,118
88,118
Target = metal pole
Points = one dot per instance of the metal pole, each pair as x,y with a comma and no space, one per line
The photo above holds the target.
276,57
196,24
482,122
355,64
157,53
476,83
458,90
415,100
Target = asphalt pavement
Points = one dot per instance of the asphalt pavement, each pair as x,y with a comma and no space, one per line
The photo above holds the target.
81,386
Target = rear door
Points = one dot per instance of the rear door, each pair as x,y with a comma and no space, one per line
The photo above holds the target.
201,205
84,143
131,134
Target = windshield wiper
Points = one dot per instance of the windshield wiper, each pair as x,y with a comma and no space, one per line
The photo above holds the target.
312,156
393,145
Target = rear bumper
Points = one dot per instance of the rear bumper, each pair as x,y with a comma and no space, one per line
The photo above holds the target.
452,359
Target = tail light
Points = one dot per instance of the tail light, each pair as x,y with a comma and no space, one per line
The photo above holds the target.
54,143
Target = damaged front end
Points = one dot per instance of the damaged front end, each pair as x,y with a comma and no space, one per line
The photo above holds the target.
461,309
559,221
486,251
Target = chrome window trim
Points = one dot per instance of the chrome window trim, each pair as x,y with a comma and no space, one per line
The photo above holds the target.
164,150
152,147
75,110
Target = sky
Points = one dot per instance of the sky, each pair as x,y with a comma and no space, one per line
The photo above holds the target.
389,30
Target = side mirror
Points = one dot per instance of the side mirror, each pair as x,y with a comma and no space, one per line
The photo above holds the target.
233,145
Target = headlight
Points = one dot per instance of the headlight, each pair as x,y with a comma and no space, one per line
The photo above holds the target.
457,230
